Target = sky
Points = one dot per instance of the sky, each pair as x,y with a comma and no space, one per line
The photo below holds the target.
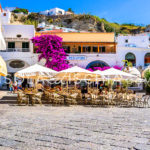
120,11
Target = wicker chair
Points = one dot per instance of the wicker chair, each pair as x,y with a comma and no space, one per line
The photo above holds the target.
47,96
146,101
37,97
72,99
139,100
22,98
57,99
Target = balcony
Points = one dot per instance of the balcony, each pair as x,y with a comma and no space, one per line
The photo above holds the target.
16,50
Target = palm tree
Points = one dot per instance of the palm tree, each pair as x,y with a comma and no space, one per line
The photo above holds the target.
128,63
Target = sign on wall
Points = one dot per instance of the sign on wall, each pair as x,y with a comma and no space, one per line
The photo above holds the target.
76,58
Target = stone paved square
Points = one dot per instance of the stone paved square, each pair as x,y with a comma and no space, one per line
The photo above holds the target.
73,128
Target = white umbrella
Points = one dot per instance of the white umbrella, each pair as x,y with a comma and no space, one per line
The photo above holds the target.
2,41
75,69
117,74
99,72
133,71
3,67
36,72
75,73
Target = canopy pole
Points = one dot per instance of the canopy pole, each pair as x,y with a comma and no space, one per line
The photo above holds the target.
67,86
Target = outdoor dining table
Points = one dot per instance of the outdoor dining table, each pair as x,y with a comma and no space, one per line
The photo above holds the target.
30,95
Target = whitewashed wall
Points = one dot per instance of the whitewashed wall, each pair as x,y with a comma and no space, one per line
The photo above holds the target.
141,40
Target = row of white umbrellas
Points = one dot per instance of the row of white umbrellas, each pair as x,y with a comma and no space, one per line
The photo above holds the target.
75,73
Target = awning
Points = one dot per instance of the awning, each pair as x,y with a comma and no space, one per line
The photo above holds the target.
3,67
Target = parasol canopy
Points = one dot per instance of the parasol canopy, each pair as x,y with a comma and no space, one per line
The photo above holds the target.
75,73
134,71
3,67
36,72
117,74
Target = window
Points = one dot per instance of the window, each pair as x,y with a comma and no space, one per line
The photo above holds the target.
11,44
25,46
79,49
60,12
95,49
126,41
131,58
147,59
19,35
102,49
17,64
67,49
87,49
4,14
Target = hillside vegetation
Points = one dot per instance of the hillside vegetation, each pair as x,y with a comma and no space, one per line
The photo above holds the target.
84,22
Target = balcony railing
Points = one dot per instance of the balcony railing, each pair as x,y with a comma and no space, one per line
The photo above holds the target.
16,50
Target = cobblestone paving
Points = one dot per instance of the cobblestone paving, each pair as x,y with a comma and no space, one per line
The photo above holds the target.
73,128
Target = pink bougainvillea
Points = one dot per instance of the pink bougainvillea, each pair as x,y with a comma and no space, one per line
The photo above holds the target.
50,48
104,68
118,67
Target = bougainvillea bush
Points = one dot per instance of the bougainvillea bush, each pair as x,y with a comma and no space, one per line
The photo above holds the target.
105,68
50,48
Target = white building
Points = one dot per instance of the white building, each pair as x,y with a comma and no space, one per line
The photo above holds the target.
19,48
5,16
54,11
49,28
10,8
135,48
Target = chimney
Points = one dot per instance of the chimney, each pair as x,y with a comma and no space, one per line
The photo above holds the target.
1,10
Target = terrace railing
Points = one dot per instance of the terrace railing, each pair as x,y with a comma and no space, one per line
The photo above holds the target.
16,50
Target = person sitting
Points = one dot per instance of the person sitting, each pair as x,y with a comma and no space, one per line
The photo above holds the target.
101,88
84,90
20,87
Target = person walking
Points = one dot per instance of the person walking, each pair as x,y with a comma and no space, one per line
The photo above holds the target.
11,87
15,87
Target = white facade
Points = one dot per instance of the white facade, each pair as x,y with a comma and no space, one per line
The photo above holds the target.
54,11
18,34
2,41
5,17
138,45
11,31
84,60
139,41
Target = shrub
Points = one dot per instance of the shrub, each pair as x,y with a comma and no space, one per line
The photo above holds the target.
147,77
21,10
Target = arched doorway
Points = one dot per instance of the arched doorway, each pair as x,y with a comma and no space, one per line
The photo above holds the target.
131,58
96,64
147,60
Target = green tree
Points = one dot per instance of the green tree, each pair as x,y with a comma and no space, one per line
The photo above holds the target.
70,10
147,77
20,10
33,16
